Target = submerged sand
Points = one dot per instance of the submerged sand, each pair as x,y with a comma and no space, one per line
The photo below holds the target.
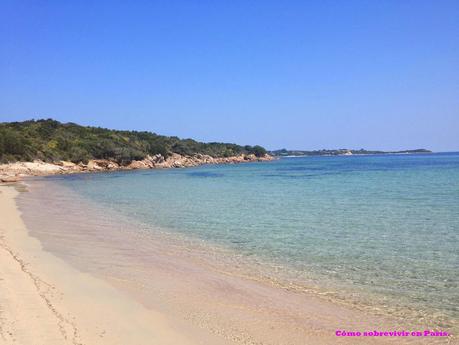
77,284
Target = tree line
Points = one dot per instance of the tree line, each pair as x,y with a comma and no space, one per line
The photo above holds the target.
50,140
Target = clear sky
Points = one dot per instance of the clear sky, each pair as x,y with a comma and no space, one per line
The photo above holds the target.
295,74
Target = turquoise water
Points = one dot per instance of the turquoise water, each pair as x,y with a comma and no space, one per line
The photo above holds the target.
379,231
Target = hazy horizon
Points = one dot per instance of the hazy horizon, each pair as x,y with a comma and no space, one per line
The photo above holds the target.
296,75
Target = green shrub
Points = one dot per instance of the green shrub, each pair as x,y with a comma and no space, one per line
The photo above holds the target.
51,140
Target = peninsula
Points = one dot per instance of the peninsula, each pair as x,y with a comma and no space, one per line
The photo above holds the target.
44,147
340,152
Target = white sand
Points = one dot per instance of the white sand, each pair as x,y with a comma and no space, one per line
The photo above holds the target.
44,301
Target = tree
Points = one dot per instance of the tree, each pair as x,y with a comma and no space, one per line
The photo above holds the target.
258,151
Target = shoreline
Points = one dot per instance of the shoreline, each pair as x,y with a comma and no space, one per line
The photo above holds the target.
201,302
13,172
44,300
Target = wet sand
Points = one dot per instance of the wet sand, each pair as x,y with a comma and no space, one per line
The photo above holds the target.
68,279
45,301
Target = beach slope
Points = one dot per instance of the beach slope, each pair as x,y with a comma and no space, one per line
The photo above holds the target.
45,301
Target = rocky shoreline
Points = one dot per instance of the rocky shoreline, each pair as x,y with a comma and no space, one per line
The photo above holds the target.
13,172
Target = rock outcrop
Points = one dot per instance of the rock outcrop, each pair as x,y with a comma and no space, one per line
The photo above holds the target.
9,179
11,172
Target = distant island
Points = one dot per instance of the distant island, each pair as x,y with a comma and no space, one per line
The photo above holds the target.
340,152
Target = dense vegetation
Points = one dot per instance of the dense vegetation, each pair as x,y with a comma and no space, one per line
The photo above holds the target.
50,140
285,152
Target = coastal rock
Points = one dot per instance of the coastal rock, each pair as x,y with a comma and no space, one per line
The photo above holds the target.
35,168
138,165
70,167
106,164
40,168
150,161
93,165
66,164
9,179
156,159
100,165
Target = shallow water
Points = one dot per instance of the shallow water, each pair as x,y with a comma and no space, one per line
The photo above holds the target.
378,232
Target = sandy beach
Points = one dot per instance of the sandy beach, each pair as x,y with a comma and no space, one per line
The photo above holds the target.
43,300
82,288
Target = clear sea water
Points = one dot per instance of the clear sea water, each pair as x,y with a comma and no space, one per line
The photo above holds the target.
379,231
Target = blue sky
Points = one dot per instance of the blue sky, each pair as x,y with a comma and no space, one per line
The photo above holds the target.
295,74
